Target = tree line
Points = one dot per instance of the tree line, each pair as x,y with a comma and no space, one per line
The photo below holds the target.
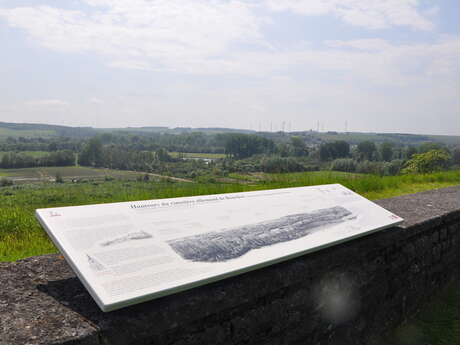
244,152
15,160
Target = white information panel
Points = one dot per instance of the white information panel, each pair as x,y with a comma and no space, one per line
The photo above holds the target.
130,252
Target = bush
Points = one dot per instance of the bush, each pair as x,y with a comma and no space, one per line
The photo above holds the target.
4,182
368,167
344,164
395,166
428,162
281,165
58,178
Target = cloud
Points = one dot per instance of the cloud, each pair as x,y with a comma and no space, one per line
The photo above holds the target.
205,37
142,34
47,103
373,14
196,37
96,100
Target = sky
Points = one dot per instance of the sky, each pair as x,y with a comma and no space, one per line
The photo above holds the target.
332,65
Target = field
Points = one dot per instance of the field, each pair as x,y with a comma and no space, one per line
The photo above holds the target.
45,174
21,235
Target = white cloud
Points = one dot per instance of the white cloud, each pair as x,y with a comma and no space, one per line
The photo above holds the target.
47,103
201,37
225,38
373,14
96,100
141,34
197,37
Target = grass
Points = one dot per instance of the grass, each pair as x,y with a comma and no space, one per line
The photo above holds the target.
66,172
438,323
21,235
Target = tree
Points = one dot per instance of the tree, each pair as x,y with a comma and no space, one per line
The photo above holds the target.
299,147
334,150
341,149
410,151
431,161
366,150
163,155
58,178
430,146
92,154
245,145
456,156
344,164
386,151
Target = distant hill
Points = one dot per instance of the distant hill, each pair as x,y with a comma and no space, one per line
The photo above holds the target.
397,138
34,130
31,130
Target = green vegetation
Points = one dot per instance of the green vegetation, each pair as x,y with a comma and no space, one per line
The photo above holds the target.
12,160
21,235
434,160
32,133
197,155
438,323
35,154
67,173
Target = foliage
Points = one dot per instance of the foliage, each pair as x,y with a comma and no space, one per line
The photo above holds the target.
366,150
456,156
344,164
386,151
299,147
431,161
4,182
334,150
92,154
13,160
368,167
430,146
394,167
281,165
410,151
244,145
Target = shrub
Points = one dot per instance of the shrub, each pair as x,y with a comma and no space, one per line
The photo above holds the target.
58,178
431,161
395,166
368,167
281,165
344,164
4,182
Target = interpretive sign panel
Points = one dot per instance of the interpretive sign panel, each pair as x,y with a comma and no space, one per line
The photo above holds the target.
130,252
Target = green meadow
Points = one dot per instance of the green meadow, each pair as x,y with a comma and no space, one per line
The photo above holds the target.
21,235
68,173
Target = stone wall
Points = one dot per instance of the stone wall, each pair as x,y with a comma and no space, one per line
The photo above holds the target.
346,294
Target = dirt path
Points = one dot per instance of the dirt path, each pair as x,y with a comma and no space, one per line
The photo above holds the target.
178,179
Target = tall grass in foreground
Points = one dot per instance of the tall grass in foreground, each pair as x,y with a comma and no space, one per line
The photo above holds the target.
22,236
